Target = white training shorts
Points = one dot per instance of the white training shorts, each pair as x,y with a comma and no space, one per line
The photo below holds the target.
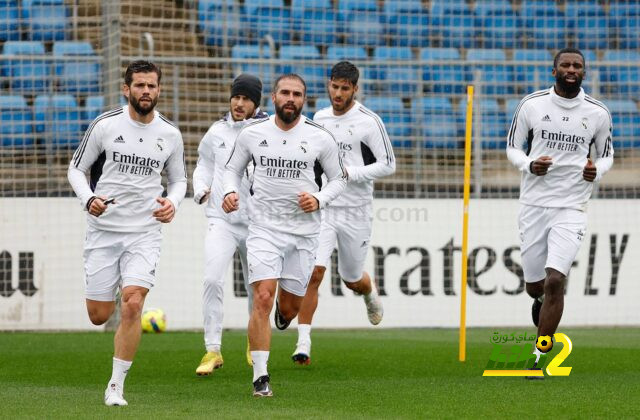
549,238
119,259
283,256
350,227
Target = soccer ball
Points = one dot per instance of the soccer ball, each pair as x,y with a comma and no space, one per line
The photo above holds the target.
544,343
153,320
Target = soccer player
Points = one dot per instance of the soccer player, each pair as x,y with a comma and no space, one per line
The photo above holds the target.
289,153
126,150
227,232
559,125
367,155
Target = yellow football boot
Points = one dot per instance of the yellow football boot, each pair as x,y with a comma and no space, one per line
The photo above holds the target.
210,361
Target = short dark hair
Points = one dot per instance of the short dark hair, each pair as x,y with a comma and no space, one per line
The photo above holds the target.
141,66
568,51
290,76
345,70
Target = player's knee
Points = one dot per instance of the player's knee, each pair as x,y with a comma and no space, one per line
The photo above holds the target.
316,277
262,300
554,284
99,318
535,290
131,307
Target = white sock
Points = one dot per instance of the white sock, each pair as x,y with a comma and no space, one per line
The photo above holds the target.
119,372
260,359
215,348
372,295
304,333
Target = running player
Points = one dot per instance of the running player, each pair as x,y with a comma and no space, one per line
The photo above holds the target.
126,150
289,153
367,155
227,232
558,125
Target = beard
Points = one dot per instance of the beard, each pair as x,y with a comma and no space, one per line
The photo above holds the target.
287,118
138,107
569,88
345,104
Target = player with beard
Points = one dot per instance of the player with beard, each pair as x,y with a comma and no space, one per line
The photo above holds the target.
227,232
367,155
290,153
558,127
126,151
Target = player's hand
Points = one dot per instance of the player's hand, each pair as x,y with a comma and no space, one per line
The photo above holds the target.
97,205
230,202
205,197
165,213
541,165
589,172
307,202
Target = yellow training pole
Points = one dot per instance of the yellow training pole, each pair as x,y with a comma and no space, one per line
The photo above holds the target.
465,225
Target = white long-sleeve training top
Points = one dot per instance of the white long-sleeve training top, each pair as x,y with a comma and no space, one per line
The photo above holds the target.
213,153
365,149
564,129
126,159
286,163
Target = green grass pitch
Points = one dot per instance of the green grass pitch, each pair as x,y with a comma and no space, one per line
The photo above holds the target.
401,373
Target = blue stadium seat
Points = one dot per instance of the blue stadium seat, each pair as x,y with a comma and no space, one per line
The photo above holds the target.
220,22
240,52
500,24
494,78
27,73
629,32
77,76
365,29
443,70
532,70
453,23
207,7
510,106
252,7
321,103
396,119
17,122
392,54
626,123
623,9
58,119
393,75
274,21
46,20
490,119
402,6
436,122
298,7
93,107
9,21
619,74
317,26
348,52
348,6
545,23
408,27
589,24
401,80
314,75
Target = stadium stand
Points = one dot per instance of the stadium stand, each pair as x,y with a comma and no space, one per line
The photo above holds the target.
409,50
